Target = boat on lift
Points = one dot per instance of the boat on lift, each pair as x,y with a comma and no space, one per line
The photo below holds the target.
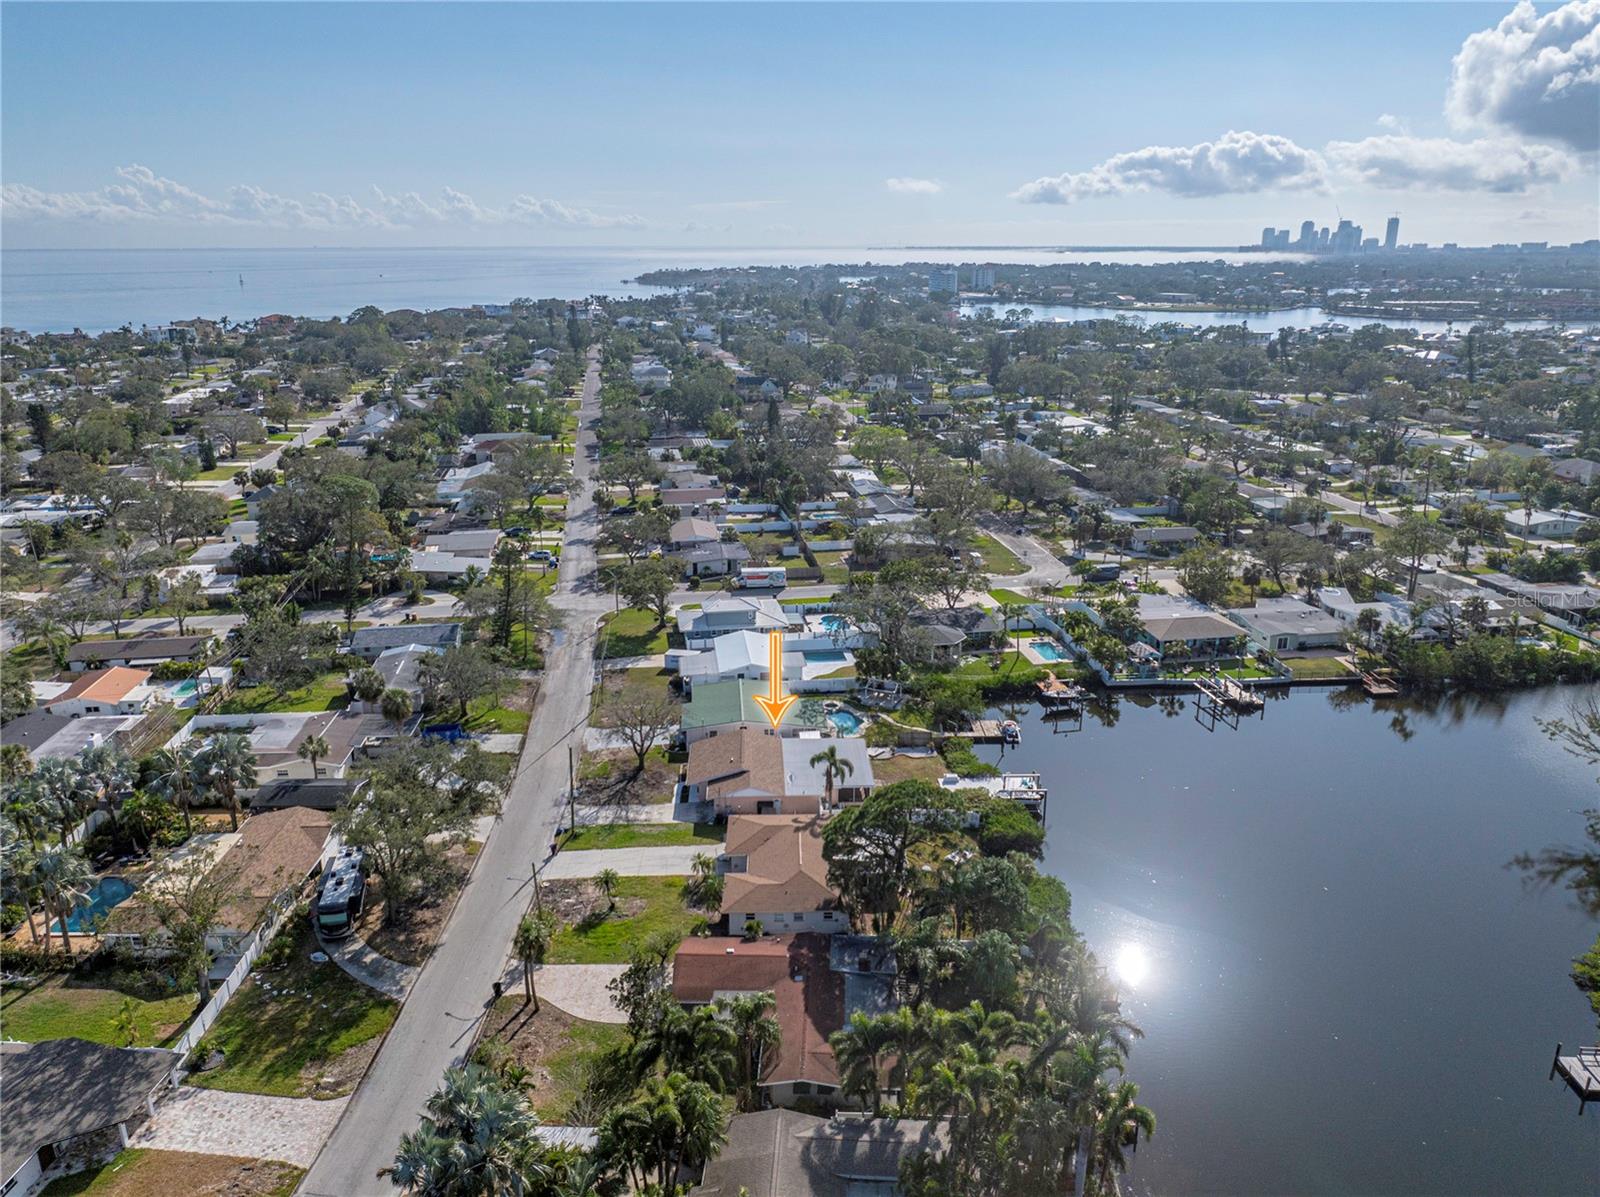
1011,732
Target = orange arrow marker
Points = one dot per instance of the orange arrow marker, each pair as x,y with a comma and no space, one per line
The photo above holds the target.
776,705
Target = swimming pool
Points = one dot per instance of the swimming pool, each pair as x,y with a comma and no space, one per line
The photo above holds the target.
184,688
829,656
1048,650
846,723
102,896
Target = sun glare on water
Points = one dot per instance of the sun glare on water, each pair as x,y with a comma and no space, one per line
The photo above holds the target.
1132,964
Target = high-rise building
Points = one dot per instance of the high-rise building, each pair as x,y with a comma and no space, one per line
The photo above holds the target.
1391,233
1308,234
982,278
1268,234
944,282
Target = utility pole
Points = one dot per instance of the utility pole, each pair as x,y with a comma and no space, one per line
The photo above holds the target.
572,786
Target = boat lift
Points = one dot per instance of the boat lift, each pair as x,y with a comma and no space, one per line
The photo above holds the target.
1222,699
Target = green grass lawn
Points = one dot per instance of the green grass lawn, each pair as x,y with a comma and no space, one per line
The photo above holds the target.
484,715
608,938
327,693
54,1009
275,1040
630,633
1002,595
833,567
997,559
1316,667
142,1172
642,835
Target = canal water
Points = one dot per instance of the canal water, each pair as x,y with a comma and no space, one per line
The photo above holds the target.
1295,318
1343,988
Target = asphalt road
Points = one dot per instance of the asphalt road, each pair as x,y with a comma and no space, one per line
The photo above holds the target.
439,1021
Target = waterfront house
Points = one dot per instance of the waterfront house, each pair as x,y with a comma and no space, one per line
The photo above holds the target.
788,1153
714,706
773,872
749,769
1181,627
809,997
1289,625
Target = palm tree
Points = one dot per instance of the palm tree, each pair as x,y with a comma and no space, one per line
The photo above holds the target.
396,706
312,748
607,880
694,1042
179,779
531,941
58,792
1119,1122
19,870
672,1122
64,876
757,1032
478,1138
834,767
229,765
368,684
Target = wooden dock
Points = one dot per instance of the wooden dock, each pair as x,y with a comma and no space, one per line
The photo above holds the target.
1581,1073
1378,683
983,731
1054,692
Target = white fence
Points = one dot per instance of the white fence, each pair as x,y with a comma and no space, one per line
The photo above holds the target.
254,946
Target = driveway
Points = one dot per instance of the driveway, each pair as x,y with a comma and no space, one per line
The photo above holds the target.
578,989
675,861
212,1122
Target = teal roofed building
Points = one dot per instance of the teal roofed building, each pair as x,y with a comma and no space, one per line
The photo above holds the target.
714,705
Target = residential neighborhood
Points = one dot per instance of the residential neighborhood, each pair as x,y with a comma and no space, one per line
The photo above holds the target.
642,691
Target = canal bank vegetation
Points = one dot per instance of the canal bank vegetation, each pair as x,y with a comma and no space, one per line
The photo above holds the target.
1577,868
1008,1027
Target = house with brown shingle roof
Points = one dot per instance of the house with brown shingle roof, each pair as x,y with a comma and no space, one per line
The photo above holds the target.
773,871
739,771
269,860
809,996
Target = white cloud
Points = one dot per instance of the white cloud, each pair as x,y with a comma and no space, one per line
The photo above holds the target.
1533,75
905,186
1390,121
141,196
1441,164
1235,163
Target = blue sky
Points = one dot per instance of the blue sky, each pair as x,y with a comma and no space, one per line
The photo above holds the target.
664,124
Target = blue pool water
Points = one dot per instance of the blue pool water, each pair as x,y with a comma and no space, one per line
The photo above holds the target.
102,896
846,723
184,689
827,655
1048,651
833,623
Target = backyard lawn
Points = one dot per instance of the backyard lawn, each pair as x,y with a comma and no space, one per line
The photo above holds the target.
1315,668
57,1008
997,559
288,1028
141,1172
627,683
645,907
630,633
643,835
327,693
